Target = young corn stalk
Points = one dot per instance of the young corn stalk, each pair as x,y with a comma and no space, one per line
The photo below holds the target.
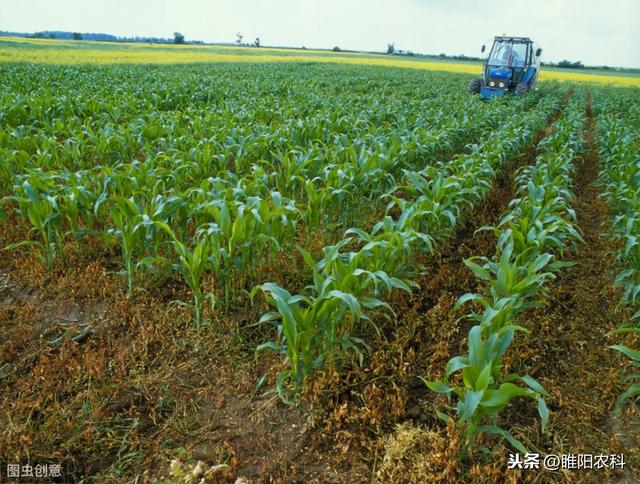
193,263
129,221
619,146
308,332
251,230
537,228
43,212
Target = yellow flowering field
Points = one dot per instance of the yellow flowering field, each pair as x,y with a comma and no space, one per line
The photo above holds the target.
48,51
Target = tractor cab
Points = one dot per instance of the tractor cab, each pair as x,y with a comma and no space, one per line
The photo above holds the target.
512,66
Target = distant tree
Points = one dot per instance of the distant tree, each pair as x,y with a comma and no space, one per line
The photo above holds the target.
391,48
570,65
304,48
77,36
239,38
443,55
257,42
178,38
337,49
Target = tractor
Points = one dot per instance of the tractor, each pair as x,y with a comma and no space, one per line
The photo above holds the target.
512,66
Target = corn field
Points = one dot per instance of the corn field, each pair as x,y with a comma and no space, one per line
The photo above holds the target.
357,240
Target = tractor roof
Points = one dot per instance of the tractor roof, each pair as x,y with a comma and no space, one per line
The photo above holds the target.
514,39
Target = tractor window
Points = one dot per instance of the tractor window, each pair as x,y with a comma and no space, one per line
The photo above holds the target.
500,54
519,55
508,54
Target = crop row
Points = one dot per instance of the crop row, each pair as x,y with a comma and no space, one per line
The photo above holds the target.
531,238
220,121
355,276
191,216
327,165
619,146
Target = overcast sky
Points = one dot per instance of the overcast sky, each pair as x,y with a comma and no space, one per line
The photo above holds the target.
594,31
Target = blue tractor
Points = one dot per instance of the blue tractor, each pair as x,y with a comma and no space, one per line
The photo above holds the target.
512,66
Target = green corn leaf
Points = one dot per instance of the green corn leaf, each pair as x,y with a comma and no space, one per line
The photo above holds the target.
471,401
494,429
348,299
476,350
456,363
268,317
437,386
534,385
307,258
468,297
503,395
479,271
543,411
484,379
540,262
631,353
630,392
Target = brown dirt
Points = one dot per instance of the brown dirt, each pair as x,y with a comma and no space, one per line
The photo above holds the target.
123,381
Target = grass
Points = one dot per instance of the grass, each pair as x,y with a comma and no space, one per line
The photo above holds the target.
48,51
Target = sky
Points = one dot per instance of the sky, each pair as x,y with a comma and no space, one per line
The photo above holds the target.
595,32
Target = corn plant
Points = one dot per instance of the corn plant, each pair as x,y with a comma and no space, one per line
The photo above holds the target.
356,272
486,392
517,276
633,390
247,228
392,244
619,146
530,236
128,219
76,207
308,332
43,212
193,263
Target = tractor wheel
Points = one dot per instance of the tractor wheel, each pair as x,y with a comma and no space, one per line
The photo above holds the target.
521,88
474,86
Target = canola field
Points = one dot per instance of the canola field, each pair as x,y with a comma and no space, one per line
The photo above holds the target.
66,52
